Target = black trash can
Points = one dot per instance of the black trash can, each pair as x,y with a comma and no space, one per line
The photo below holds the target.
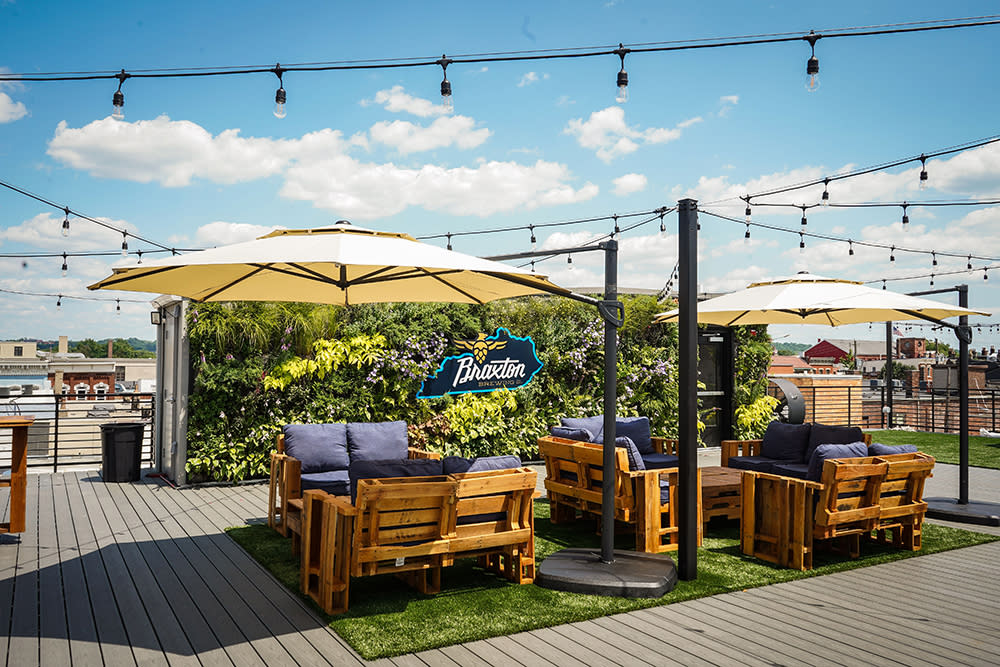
121,451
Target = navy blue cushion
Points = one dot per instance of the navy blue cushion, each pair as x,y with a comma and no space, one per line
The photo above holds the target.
454,464
878,449
785,442
320,447
824,452
636,428
373,469
656,460
377,441
821,434
755,463
582,434
634,458
593,424
796,470
334,482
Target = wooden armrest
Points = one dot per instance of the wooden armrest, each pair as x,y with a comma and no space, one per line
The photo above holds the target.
739,448
768,477
665,445
414,453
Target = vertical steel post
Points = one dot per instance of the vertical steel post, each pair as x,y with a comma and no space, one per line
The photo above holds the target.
55,437
888,375
610,401
963,401
687,294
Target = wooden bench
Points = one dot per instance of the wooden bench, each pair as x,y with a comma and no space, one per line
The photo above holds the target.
753,447
284,506
414,526
782,516
574,478
901,502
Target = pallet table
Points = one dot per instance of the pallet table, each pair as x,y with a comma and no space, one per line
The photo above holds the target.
720,492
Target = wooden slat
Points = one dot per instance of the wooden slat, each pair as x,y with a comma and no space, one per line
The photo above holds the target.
53,627
24,630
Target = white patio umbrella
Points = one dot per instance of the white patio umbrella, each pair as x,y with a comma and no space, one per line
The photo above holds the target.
810,299
342,264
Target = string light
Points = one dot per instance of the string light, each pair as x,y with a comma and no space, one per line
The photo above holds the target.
932,280
746,236
139,253
617,231
883,284
812,65
933,258
663,227
118,100
65,266
280,96
118,307
59,303
449,240
747,212
969,265
906,218
622,83
446,100
569,261
825,199
534,241
986,273
892,254
923,171
65,226
124,244
804,221
532,266
802,244
850,248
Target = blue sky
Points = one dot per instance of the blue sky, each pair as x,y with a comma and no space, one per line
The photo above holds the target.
202,161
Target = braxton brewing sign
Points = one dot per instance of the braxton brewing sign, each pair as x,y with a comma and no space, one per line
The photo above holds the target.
500,361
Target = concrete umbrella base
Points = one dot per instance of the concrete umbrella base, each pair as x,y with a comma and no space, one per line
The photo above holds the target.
630,575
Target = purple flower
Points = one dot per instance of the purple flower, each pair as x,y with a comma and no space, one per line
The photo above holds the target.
229,357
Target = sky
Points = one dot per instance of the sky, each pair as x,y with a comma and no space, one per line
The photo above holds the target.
200,162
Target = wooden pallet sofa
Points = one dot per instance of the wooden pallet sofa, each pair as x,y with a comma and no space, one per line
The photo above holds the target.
318,456
644,497
787,449
414,526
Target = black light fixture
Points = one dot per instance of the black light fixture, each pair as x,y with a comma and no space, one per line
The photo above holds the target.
622,82
933,258
968,265
906,218
802,243
446,100
747,212
617,231
65,227
139,253
746,235
124,244
804,221
118,100
532,266
812,65
923,172
883,283
279,95
892,254
850,248
986,275
663,226
932,280
534,243
449,240
155,318
569,261
65,266
825,199
118,307
59,302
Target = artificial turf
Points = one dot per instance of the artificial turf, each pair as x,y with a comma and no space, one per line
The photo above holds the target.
983,452
386,618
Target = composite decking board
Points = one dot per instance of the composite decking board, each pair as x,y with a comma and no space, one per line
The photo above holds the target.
302,633
9,545
53,628
548,651
250,631
667,643
518,652
567,647
257,620
484,650
435,658
111,632
637,650
969,604
595,645
461,654
23,650
181,610
84,645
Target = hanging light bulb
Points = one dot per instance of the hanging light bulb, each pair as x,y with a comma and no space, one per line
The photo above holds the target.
118,100
446,100
825,199
124,244
906,218
617,231
802,244
622,96
534,241
747,212
968,265
923,172
892,254
812,65
118,307
449,240
663,227
59,303
746,236
850,248
65,266
933,258
804,221
279,95
569,260
883,283
532,266
65,227
986,275
932,280
139,253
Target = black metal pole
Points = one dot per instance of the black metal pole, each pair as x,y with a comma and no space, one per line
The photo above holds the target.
963,401
888,375
610,401
687,294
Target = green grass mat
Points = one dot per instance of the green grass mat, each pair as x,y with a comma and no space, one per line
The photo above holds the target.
386,618
983,452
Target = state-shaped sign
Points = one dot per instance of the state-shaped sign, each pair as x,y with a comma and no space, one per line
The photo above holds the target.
500,361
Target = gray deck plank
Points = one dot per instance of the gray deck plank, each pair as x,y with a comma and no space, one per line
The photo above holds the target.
486,651
8,568
639,650
53,626
461,655
564,646
517,652
622,625
435,658
594,644
551,652
24,637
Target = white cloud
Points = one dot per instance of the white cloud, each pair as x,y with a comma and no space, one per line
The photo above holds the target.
45,231
223,233
629,183
565,101
729,100
607,133
11,110
397,100
527,79
406,137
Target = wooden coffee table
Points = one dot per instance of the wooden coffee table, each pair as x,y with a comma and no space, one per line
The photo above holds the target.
720,492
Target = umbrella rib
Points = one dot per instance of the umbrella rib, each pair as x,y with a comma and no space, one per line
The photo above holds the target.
736,319
527,282
234,282
444,282
131,276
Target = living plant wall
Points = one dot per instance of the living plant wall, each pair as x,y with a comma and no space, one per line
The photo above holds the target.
257,366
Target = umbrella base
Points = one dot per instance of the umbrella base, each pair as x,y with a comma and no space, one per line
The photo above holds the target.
631,575
974,512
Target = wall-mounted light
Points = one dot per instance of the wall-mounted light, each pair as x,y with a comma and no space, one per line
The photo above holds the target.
155,317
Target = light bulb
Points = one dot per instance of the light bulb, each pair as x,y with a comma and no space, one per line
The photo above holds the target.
117,104
746,236
279,103
65,227
748,212
124,245
65,266
825,200
569,261
622,82
812,74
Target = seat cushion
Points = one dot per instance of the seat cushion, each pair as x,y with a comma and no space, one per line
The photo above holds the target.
656,461
878,449
824,452
786,469
785,442
635,461
754,463
320,447
457,464
334,482
375,469
821,434
581,434
377,441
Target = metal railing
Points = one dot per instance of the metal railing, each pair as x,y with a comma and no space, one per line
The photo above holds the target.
67,428
922,410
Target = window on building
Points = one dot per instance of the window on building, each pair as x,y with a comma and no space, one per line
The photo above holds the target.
119,373
18,350
101,389
82,389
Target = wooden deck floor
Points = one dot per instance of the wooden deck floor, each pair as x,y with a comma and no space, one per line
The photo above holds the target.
142,574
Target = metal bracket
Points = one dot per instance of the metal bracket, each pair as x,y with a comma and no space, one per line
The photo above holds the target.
613,312
964,333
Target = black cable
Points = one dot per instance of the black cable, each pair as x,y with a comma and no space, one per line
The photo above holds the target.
910,204
591,242
70,296
538,225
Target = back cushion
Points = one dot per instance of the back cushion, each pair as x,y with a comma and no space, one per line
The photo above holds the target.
785,442
636,428
582,434
593,424
821,434
373,469
635,461
455,464
377,441
878,449
320,447
824,452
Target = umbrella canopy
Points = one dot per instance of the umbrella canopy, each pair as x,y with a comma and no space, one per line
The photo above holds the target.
340,265
809,299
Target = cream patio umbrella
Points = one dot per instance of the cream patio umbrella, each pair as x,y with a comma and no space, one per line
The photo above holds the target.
342,265
810,299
